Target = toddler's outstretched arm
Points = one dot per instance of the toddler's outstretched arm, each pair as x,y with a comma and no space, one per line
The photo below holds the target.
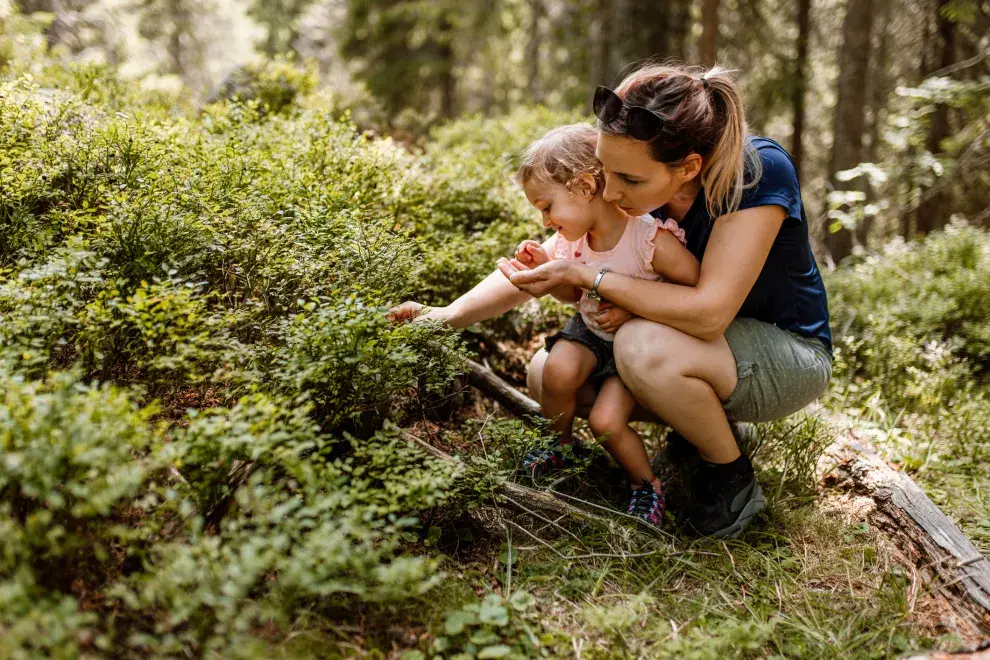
492,296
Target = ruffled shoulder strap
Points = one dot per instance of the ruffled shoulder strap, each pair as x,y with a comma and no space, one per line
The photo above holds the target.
649,228
673,228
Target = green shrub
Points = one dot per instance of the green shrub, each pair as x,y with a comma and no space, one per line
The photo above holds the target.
40,308
76,460
165,330
354,365
273,84
888,307
313,523
492,628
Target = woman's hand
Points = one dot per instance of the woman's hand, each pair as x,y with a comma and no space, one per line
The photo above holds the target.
543,279
531,254
414,311
611,317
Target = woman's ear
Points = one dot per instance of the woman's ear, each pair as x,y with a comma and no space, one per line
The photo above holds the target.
689,168
584,184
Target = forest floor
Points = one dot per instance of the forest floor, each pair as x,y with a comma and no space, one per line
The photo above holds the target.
812,577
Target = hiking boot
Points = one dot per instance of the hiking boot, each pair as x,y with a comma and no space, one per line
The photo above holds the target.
647,504
726,499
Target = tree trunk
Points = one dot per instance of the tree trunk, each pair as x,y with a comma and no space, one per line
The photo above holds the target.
648,30
680,25
850,109
533,48
709,32
879,88
180,21
601,33
800,81
933,213
448,85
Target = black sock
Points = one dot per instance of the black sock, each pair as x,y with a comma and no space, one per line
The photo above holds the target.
727,470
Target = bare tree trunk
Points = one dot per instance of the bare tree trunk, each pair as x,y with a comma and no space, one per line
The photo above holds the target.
709,32
879,88
850,108
448,85
616,11
800,81
680,21
180,23
648,30
533,48
933,213
601,33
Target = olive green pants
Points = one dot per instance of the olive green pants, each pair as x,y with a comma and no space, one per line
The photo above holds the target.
779,372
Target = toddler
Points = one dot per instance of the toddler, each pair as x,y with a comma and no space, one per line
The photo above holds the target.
561,177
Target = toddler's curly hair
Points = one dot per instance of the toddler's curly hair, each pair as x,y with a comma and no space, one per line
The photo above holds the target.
561,156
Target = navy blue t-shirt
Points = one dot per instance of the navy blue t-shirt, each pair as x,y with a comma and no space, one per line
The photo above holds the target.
789,291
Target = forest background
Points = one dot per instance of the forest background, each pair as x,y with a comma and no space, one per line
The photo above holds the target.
836,83
209,434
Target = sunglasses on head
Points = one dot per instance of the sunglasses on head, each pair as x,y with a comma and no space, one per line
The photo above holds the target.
640,123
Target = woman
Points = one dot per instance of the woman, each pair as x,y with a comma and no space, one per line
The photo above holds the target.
751,342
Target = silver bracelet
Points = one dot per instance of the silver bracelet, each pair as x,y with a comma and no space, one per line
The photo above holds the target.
593,294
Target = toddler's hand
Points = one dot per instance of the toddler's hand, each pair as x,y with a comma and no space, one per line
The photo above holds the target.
611,317
414,311
531,254
509,266
407,311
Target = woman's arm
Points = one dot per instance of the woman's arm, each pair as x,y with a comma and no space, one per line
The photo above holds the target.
736,252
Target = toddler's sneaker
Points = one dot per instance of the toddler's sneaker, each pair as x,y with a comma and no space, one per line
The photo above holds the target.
647,504
541,461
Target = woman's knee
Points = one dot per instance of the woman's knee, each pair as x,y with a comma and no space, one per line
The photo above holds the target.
643,349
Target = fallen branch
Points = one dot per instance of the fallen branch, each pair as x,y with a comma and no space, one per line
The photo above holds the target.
948,561
514,401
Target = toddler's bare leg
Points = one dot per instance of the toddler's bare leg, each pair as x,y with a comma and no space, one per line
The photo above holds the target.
610,418
567,368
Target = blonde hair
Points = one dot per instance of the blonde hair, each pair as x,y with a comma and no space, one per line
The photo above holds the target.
560,156
704,115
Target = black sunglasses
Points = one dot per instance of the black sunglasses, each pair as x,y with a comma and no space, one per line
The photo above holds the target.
641,123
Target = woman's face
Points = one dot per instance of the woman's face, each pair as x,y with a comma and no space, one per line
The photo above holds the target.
633,180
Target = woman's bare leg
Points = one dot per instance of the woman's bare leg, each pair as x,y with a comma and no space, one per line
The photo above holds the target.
567,368
683,380
609,421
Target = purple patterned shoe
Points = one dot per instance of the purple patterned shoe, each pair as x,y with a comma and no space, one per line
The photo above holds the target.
541,461
647,504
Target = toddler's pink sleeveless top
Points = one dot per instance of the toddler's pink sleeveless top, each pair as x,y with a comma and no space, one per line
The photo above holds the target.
632,256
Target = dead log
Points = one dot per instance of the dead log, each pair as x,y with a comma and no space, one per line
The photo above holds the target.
514,401
949,563
981,651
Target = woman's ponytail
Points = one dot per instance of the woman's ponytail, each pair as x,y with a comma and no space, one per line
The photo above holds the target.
724,173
